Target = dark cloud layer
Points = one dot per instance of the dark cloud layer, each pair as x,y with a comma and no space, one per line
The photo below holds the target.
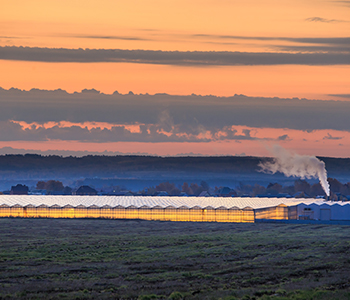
195,58
191,115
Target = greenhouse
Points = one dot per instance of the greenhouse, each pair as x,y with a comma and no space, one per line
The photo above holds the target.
191,209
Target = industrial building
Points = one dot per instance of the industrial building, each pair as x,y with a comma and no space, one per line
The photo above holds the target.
195,209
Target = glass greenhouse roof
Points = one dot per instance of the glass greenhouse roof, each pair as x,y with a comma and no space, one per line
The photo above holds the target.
139,201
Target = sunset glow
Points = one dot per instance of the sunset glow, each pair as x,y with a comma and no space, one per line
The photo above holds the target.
285,49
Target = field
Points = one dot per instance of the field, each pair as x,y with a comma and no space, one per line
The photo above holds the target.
132,259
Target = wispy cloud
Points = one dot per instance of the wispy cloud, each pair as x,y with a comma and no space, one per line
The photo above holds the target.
194,58
9,37
224,39
110,37
340,95
312,49
323,20
330,137
308,40
344,3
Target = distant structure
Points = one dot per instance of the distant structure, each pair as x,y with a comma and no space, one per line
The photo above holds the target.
19,189
86,190
226,192
204,194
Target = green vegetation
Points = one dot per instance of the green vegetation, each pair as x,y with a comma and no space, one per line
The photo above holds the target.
131,259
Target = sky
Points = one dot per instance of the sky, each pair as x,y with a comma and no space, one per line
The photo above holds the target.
175,77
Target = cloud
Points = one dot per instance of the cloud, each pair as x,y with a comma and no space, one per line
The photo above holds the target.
246,133
330,137
153,133
307,40
173,115
344,3
284,137
322,20
109,37
323,44
65,153
194,58
8,37
340,95
325,48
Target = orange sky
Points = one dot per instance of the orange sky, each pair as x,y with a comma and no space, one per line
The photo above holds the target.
206,25
312,82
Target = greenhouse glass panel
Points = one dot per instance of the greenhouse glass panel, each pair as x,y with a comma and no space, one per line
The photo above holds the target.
196,214
221,214
119,212
17,211
55,211
106,212
183,213
170,213
158,213
145,213
235,214
5,210
94,211
132,212
209,214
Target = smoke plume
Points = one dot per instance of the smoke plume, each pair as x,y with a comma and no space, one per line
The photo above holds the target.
292,164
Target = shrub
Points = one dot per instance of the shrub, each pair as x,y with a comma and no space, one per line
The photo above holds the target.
147,297
176,296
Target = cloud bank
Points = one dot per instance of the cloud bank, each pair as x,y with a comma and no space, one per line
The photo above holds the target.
151,133
174,114
194,58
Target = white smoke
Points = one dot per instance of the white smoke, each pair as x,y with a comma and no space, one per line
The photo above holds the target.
292,164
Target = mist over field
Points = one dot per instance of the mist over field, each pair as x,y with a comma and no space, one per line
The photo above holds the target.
138,172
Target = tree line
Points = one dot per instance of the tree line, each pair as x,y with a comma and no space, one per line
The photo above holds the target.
300,188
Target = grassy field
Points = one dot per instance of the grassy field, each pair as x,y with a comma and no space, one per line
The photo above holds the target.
132,259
